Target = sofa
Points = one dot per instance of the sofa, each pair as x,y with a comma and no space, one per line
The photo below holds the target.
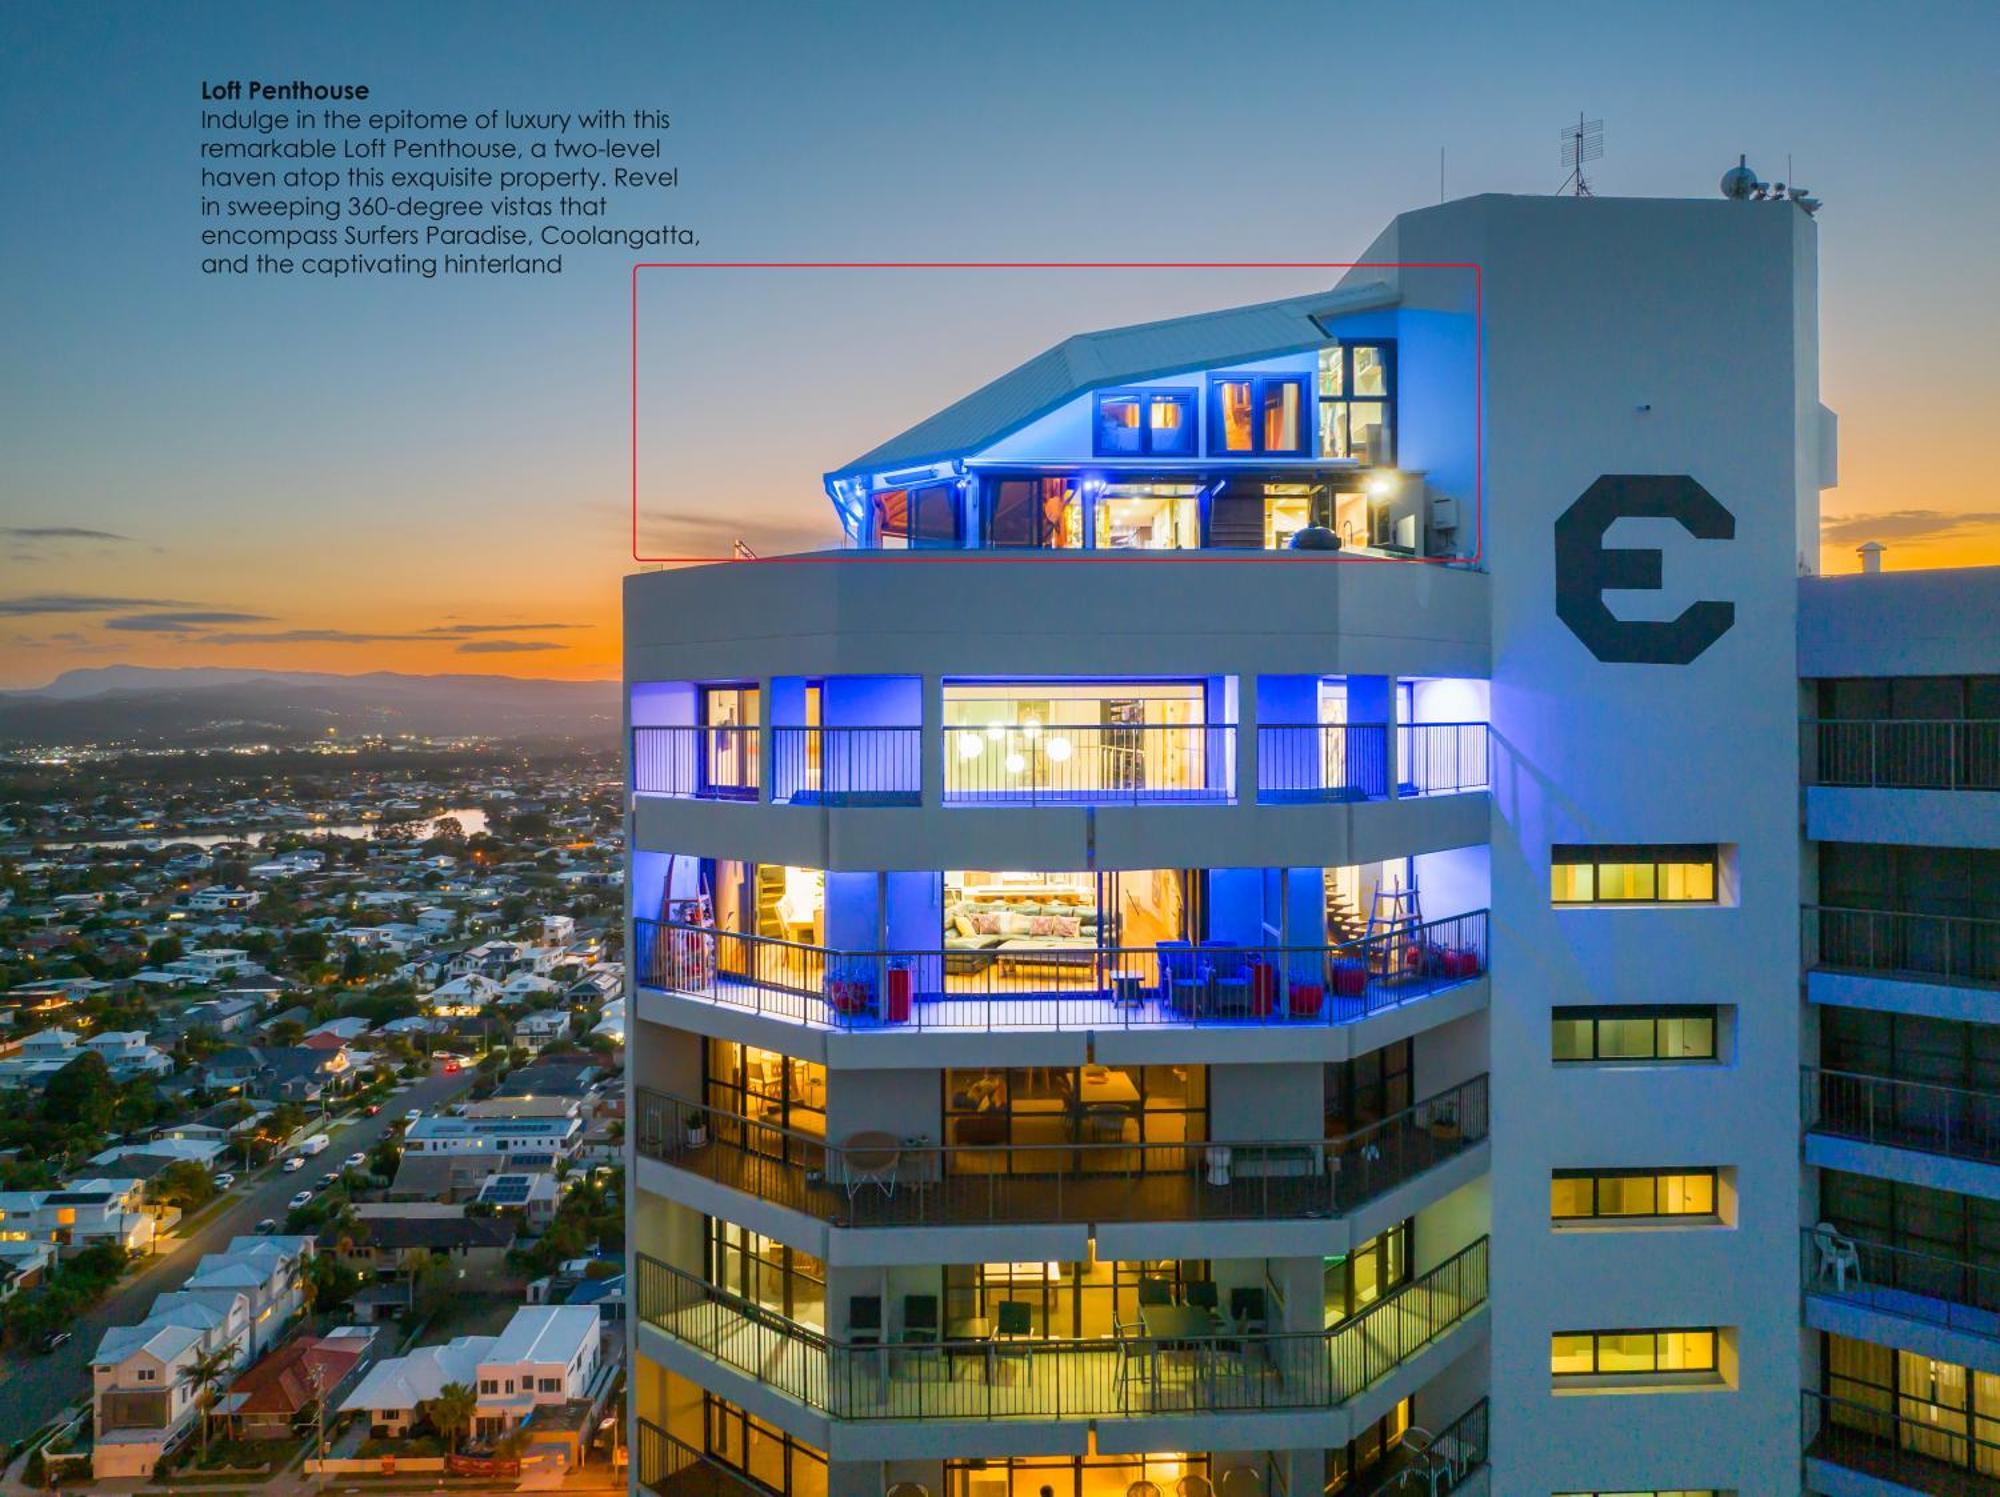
978,933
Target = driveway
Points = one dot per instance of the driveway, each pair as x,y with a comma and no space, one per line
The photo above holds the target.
34,1389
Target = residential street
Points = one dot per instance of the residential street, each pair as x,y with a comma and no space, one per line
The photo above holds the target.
35,1388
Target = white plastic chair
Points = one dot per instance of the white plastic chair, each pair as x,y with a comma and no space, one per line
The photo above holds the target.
1838,1256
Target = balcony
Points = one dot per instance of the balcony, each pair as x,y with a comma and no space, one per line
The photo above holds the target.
1857,1450
1901,1130
1444,1462
674,1468
1896,1296
1902,754
1173,984
1059,764
1917,783
1443,758
867,766
690,763
1083,1180
1132,1376
1302,763
1942,966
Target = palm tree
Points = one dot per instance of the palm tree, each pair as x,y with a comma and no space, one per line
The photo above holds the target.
203,1373
451,1412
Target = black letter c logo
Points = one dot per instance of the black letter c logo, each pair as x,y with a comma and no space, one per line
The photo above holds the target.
1586,568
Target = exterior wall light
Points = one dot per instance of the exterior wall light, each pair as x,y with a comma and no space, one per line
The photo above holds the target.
1058,750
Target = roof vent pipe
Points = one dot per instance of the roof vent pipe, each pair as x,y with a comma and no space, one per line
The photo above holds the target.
1870,553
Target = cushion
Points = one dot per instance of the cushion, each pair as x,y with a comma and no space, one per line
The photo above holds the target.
963,925
985,923
1053,925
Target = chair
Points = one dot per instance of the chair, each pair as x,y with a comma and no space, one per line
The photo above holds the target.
1194,1484
1204,1295
1838,1256
1154,1291
1242,1481
920,1325
864,1320
1183,979
1014,1333
1247,1308
1142,1489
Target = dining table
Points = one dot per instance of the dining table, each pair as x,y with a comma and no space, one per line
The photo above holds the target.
1179,1328
968,1336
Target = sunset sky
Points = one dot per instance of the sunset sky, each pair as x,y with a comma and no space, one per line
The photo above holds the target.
432,476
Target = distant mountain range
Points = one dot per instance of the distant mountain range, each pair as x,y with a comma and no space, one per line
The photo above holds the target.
141,704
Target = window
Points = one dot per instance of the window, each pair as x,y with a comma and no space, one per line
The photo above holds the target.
1599,1035
551,1385
1258,414
1096,1104
1149,517
1585,1195
729,742
489,1385
787,1281
918,518
1033,513
148,1375
1621,873
1631,1354
773,1459
1915,1403
1357,420
1141,423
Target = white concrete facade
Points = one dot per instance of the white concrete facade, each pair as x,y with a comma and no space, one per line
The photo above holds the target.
1601,338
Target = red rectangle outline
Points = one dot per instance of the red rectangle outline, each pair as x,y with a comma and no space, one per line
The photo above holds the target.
988,556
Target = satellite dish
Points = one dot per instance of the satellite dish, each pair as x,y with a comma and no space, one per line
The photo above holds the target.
1739,181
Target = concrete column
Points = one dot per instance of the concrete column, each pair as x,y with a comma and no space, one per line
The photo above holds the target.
931,740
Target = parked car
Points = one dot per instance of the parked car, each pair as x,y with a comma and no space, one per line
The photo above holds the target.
303,1198
51,1340
355,1162
371,1109
413,1114
267,1226
224,1180
296,1162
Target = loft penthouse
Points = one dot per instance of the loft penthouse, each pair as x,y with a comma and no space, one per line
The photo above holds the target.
1250,978
1346,416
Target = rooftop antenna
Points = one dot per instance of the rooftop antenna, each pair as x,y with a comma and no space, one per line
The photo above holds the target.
1582,142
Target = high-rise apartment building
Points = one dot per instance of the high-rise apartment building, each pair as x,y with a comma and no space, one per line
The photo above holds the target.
1267,959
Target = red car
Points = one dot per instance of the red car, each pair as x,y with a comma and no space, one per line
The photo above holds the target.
450,1066
371,1109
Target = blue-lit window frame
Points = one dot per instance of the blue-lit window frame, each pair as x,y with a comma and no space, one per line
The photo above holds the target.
954,497
1308,413
1184,396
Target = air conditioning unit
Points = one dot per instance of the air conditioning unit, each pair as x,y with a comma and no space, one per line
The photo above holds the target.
1444,513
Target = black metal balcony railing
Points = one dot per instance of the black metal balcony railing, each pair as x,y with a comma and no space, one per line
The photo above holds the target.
1439,1463
1935,1453
878,766
694,763
674,1468
1126,1375
1079,764
1299,762
1902,754
1940,948
1905,1282
1956,1122
1020,985
1443,758
1075,1176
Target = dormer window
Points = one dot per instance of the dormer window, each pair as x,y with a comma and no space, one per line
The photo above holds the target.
1144,423
1253,415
